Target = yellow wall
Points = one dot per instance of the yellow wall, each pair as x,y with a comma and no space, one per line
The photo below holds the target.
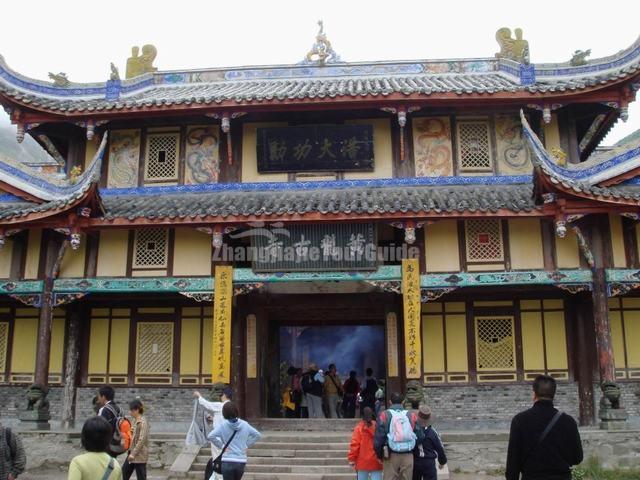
6,255
525,244
552,133
440,328
57,345
189,341
98,346
433,344
543,334
441,247
617,242
191,252
456,325
250,157
617,338
556,342
567,251
119,346
90,151
23,352
33,254
632,335
532,341
207,343
382,151
73,261
112,253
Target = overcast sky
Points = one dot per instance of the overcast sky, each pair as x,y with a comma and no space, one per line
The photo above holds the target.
81,38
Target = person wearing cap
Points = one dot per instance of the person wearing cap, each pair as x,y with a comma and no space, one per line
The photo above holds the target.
216,409
427,450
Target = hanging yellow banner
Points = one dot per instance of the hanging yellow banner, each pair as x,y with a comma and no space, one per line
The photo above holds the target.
411,304
221,351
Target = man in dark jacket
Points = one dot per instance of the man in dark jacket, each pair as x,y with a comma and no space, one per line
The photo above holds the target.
429,450
111,412
537,457
312,387
398,465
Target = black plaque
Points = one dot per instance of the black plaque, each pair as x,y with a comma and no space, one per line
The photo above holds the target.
315,148
347,247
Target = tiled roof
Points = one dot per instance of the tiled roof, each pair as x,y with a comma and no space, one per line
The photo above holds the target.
335,81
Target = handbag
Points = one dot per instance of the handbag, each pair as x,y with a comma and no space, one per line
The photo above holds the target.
217,463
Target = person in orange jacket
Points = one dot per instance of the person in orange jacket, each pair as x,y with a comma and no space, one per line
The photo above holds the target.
362,456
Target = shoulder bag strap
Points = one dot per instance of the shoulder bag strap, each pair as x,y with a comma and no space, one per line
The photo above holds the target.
107,472
224,449
543,435
333,380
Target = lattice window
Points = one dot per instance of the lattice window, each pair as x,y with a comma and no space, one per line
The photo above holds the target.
495,343
484,240
162,157
474,146
151,248
154,348
4,342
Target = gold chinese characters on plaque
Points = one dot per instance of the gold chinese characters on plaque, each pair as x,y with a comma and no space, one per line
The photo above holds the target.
411,304
392,345
221,351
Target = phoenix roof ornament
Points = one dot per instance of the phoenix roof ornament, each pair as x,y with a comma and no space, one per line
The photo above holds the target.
321,52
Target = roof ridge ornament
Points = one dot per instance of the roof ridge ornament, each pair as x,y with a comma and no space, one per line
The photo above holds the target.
516,49
321,51
140,64
579,58
60,79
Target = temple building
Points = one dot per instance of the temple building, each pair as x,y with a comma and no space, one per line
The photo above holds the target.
449,223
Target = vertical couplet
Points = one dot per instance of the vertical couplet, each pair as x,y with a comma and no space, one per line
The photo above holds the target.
411,308
221,348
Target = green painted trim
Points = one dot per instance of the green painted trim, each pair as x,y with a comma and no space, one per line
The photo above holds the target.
10,287
383,273
532,277
144,284
623,275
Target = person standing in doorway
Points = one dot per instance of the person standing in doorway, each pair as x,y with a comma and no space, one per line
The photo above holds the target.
312,383
362,456
396,435
368,391
233,437
351,389
543,442
139,451
429,450
333,390
12,457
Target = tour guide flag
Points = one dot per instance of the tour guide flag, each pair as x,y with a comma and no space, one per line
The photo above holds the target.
221,351
411,302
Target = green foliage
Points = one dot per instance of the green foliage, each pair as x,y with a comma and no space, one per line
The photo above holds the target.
591,470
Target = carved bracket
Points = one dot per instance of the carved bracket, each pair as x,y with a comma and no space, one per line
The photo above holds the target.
574,288
225,125
391,286
409,227
584,247
30,299
199,297
546,109
615,289
244,288
65,298
402,113
431,294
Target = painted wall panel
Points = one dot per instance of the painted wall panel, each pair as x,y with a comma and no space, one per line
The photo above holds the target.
556,341
433,153
6,255
617,242
112,253
119,346
525,244
457,360
98,346
632,336
513,155
192,253
382,151
441,247
124,158
532,341
202,156
433,343
189,339
617,338
56,354
23,352
72,265
32,263
250,156
567,251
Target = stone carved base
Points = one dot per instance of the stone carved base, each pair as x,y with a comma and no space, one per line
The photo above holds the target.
35,420
613,419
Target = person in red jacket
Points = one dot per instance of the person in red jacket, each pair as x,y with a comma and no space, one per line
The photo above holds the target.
362,456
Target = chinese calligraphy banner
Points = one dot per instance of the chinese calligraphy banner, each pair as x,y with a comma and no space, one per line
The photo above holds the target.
315,148
221,351
412,316
392,345
252,350
315,247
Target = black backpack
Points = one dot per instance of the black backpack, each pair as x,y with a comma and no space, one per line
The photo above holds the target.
307,383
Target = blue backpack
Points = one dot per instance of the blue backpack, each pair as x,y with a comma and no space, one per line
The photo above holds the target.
400,436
